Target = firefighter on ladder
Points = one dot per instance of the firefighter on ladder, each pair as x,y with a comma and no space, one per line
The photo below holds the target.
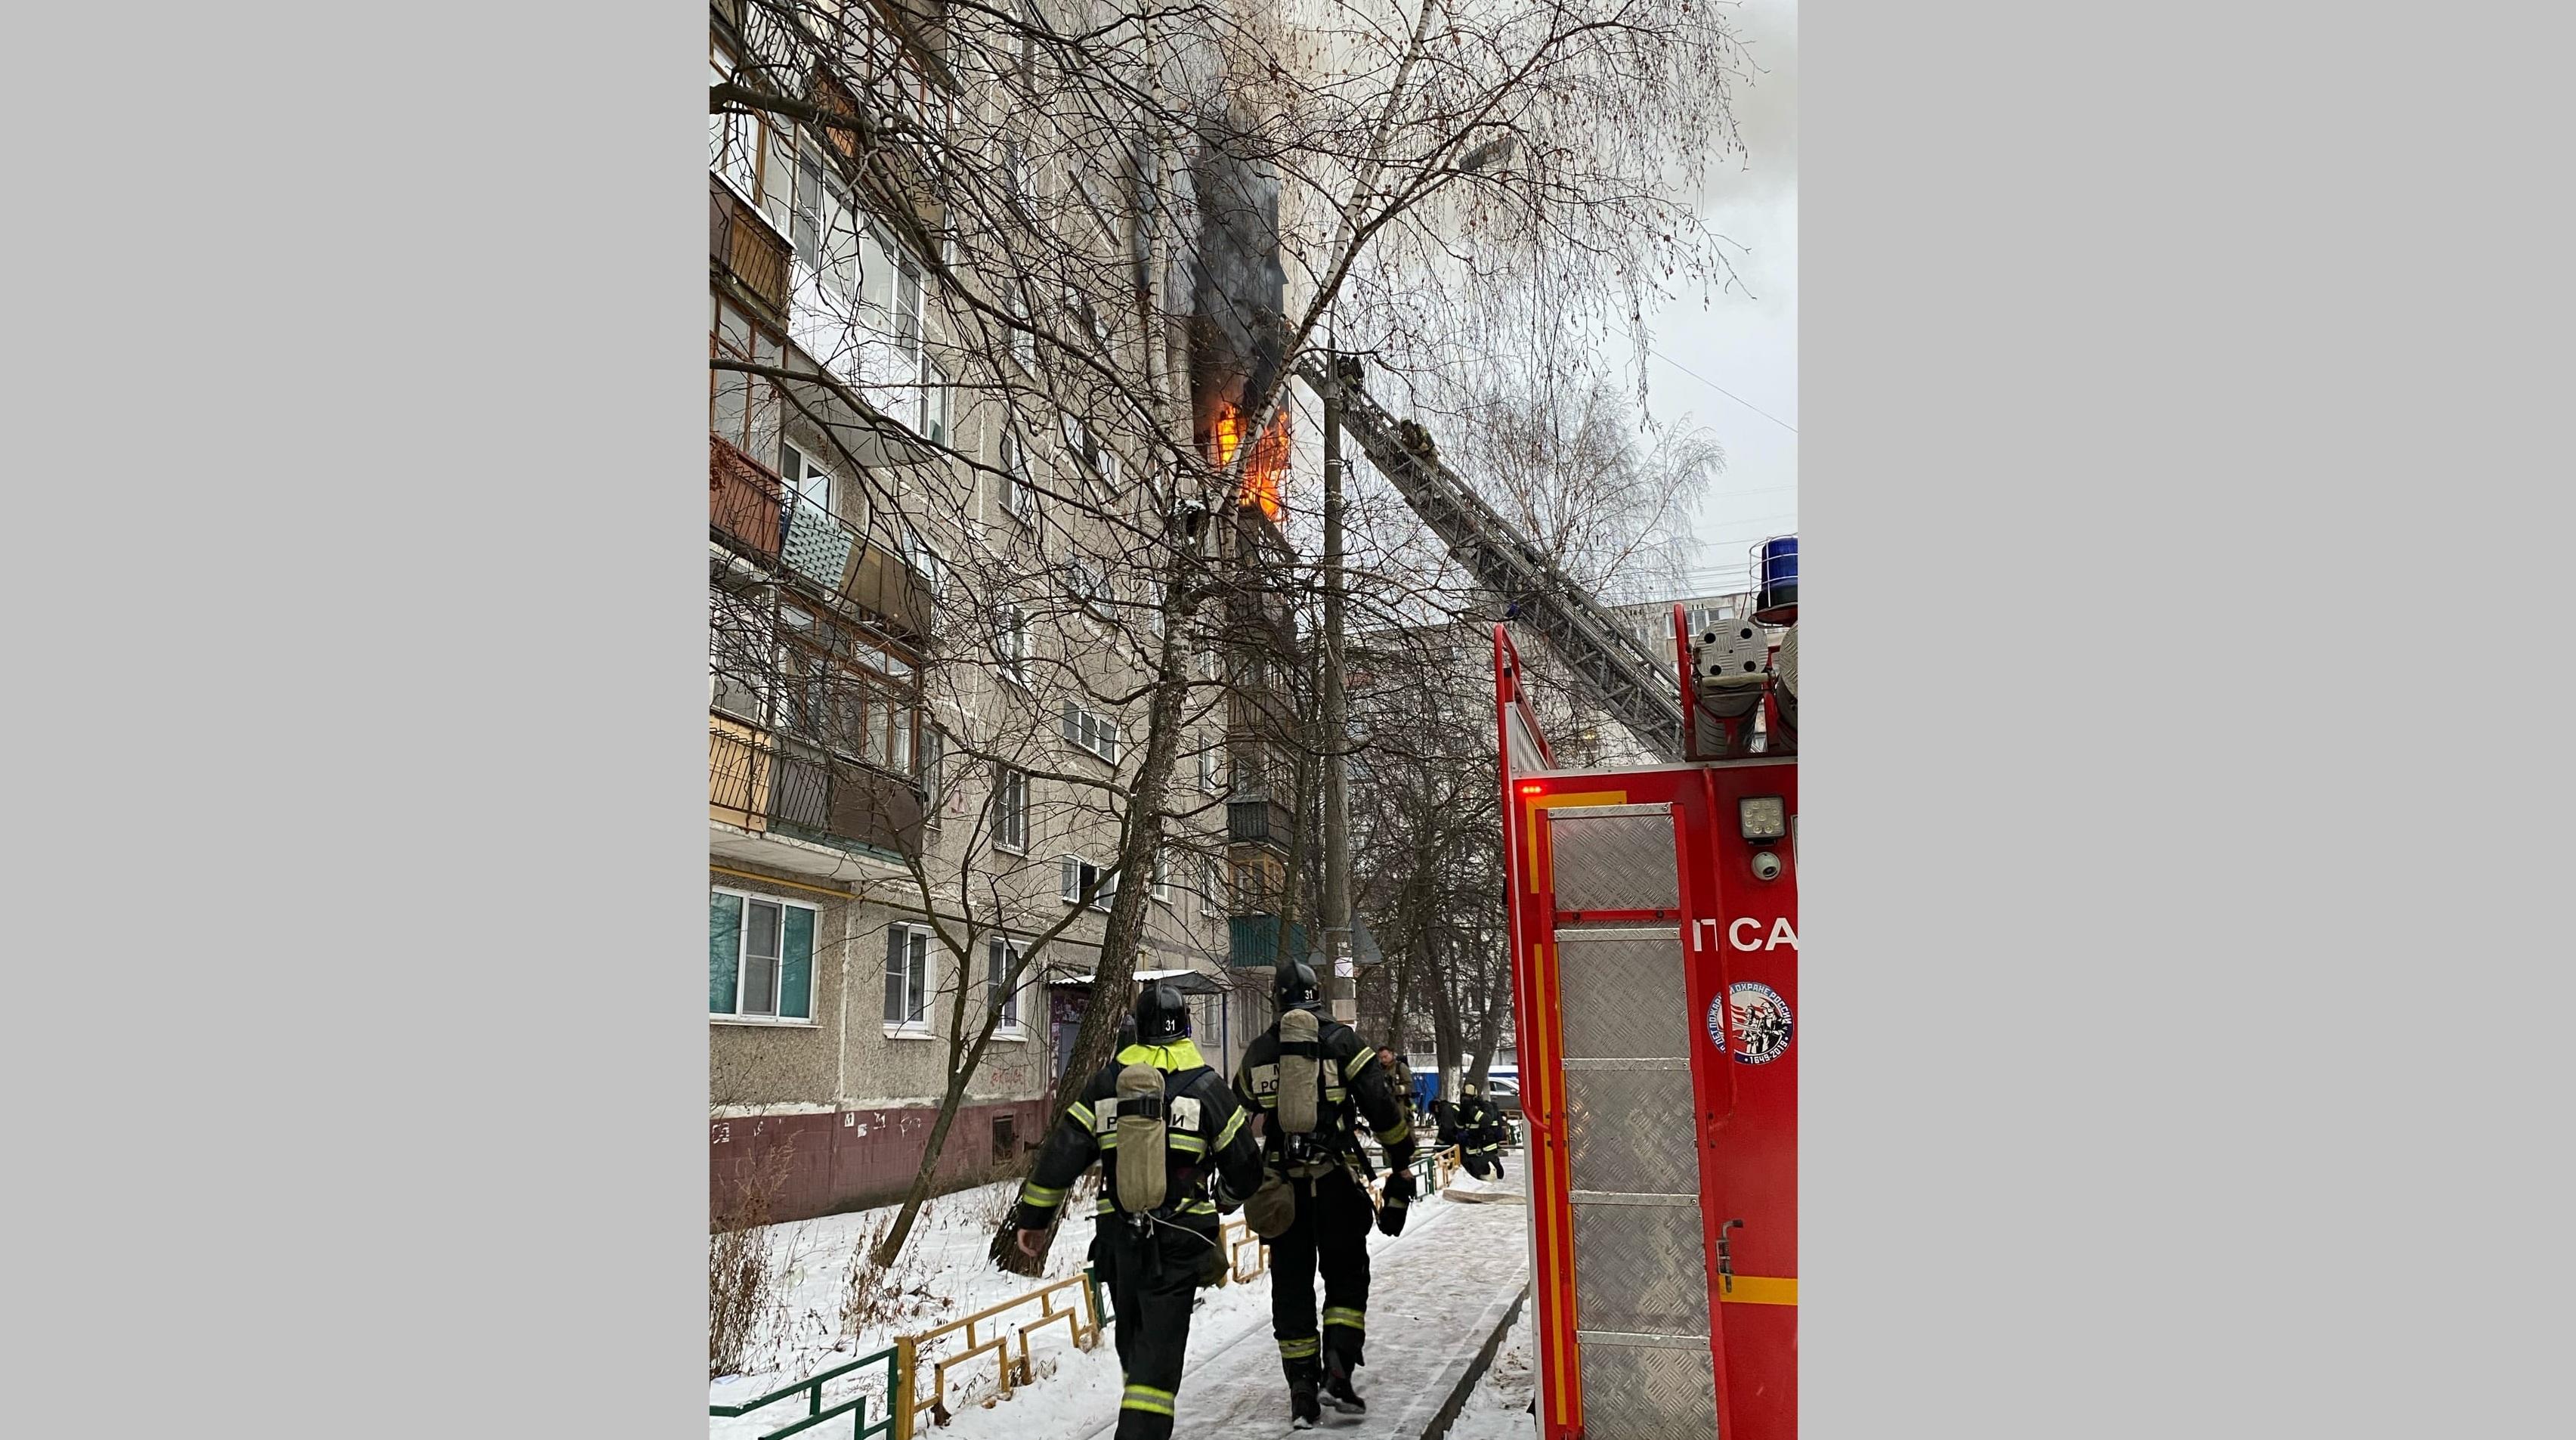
1309,1079
1174,1151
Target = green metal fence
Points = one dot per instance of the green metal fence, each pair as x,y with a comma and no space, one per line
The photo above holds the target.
811,1387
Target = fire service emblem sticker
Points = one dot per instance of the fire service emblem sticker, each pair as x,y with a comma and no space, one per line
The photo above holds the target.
1756,1017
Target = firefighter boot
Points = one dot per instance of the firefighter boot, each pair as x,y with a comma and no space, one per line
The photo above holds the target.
1303,1411
1337,1387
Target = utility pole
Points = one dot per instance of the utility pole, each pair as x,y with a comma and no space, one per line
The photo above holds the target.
1341,987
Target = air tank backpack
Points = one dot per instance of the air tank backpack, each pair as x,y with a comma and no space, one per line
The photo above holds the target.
1143,1174
1303,1114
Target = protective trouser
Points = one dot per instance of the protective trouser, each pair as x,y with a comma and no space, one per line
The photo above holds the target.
1152,1283
1330,1234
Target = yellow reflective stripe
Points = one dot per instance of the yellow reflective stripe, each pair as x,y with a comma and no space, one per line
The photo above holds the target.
1186,1144
1299,1349
1351,1070
1346,1316
1082,1113
1199,1207
1037,1194
1226,1136
1401,1132
1147,1399
1105,1207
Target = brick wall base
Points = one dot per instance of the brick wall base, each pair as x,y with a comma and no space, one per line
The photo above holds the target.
855,1159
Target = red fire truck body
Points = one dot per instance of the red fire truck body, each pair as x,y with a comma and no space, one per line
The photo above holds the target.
1655,984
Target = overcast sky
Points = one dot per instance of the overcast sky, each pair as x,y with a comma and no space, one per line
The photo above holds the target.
1745,345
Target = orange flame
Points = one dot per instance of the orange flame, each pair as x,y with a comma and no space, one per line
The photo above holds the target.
1267,472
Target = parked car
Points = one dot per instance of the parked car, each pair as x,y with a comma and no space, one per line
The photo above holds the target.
1507,1094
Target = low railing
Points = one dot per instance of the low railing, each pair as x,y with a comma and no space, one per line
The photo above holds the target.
1082,1325
811,1387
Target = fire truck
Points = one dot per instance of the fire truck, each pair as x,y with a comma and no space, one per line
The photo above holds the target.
1653,922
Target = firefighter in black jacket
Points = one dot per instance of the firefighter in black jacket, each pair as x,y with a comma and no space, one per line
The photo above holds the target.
1174,1151
1309,1079
1482,1121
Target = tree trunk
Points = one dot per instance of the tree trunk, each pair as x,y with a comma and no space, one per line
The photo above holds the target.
1143,831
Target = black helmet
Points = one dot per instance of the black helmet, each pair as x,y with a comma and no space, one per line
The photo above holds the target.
1162,1016
1297,989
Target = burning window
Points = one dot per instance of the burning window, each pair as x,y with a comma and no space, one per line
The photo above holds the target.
1266,473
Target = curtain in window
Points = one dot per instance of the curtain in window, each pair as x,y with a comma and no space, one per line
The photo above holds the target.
724,938
796,966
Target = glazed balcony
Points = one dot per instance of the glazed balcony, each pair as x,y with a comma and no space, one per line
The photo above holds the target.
1259,820
760,782
751,511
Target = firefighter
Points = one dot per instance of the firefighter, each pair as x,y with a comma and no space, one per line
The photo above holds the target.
1310,1080
1174,1152
1399,1077
1481,1140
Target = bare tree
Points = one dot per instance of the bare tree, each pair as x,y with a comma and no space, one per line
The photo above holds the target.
1022,385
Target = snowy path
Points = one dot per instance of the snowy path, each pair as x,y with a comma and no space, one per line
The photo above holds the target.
1438,1296
1438,1293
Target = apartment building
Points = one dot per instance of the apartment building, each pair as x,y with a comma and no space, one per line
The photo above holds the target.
928,622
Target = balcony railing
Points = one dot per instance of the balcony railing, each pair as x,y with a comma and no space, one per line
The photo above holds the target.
760,782
751,509
1252,942
745,246
744,500
1259,820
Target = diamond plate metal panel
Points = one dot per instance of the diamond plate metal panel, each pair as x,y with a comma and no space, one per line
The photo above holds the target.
1620,993
818,545
1614,858
1632,1131
1640,1268
1631,1393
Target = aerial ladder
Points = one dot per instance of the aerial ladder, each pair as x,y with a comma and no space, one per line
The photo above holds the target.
1653,920
1725,671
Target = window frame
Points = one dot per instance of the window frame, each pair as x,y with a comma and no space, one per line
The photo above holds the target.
1014,1021
1004,813
778,987
1077,720
1069,868
924,1028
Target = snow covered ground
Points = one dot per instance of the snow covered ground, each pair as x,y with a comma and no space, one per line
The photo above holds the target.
944,1273
1498,1408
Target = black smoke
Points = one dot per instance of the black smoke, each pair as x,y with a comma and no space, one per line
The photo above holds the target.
1238,287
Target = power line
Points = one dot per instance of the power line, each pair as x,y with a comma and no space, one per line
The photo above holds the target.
1722,390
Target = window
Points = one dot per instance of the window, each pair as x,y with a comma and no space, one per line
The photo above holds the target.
741,653
743,409
755,153
1019,497
1213,886
1023,175
1078,875
907,971
1162,876
1011,644
922,560
1088,585
760,957
1091,731
1011,810
1000,956
1211,772
1024,337
931,423
934,751
811,482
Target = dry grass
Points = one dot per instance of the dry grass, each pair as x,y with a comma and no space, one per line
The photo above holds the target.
883,1298
747,1266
